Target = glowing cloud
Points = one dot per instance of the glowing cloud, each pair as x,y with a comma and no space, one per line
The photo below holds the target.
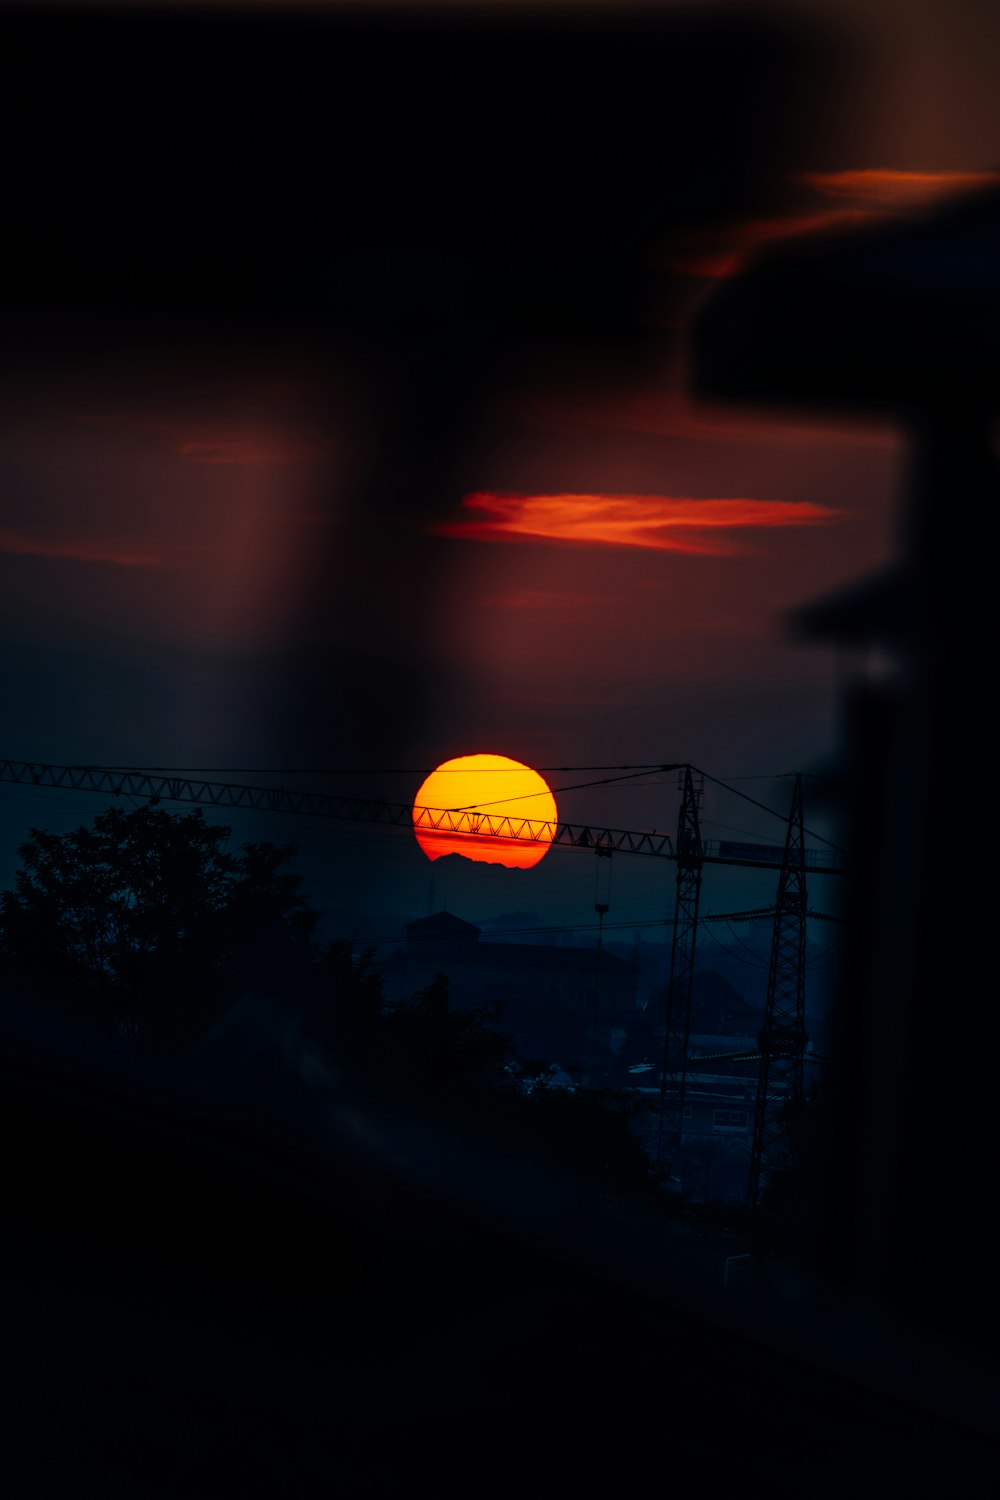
656,522
889,189
723,253
863,195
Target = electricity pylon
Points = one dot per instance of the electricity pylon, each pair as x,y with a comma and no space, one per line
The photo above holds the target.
690,859
783,1039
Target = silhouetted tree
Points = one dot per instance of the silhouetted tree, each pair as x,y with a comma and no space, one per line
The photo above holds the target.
145,923
587,1133
345,1007
441,1051
457,1062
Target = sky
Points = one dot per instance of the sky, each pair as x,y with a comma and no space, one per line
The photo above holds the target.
347,419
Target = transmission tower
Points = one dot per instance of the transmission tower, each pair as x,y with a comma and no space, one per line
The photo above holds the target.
690,859
783,1038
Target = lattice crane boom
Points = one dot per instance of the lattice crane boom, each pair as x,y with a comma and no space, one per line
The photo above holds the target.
166,787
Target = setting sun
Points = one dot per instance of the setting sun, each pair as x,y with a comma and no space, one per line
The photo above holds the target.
488,808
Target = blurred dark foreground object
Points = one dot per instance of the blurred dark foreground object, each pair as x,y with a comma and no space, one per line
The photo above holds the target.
208,1296
903,321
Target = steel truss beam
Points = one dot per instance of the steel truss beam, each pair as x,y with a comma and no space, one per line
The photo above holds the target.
167,788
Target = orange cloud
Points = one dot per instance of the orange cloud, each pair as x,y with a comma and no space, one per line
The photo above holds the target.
76,549
656,522
888,189
722,253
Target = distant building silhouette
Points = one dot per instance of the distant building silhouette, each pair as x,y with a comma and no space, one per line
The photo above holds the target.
547,996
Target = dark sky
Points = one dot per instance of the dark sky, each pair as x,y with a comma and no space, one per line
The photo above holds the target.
345,419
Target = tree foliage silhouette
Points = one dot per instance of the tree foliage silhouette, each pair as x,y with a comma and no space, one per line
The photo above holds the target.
145,923
344,1009
442,1051
460,1066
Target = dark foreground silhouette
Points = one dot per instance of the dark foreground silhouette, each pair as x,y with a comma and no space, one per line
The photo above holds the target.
227,1288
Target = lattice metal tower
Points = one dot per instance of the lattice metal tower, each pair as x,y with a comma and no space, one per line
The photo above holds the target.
690,859
783,1038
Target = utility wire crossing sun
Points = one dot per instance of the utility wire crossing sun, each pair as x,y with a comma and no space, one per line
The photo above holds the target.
487,808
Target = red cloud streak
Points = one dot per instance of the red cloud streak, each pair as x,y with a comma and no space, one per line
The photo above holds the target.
862,194
659,523
723,253
886,188
76,550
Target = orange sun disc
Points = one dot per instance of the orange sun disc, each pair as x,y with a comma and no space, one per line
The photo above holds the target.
487,808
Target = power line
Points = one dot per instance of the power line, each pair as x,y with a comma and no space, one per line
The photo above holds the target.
555,791
748,833
635,769
756,964
777,776
574,927
764,808
832,953
349,770
375,809
754,961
